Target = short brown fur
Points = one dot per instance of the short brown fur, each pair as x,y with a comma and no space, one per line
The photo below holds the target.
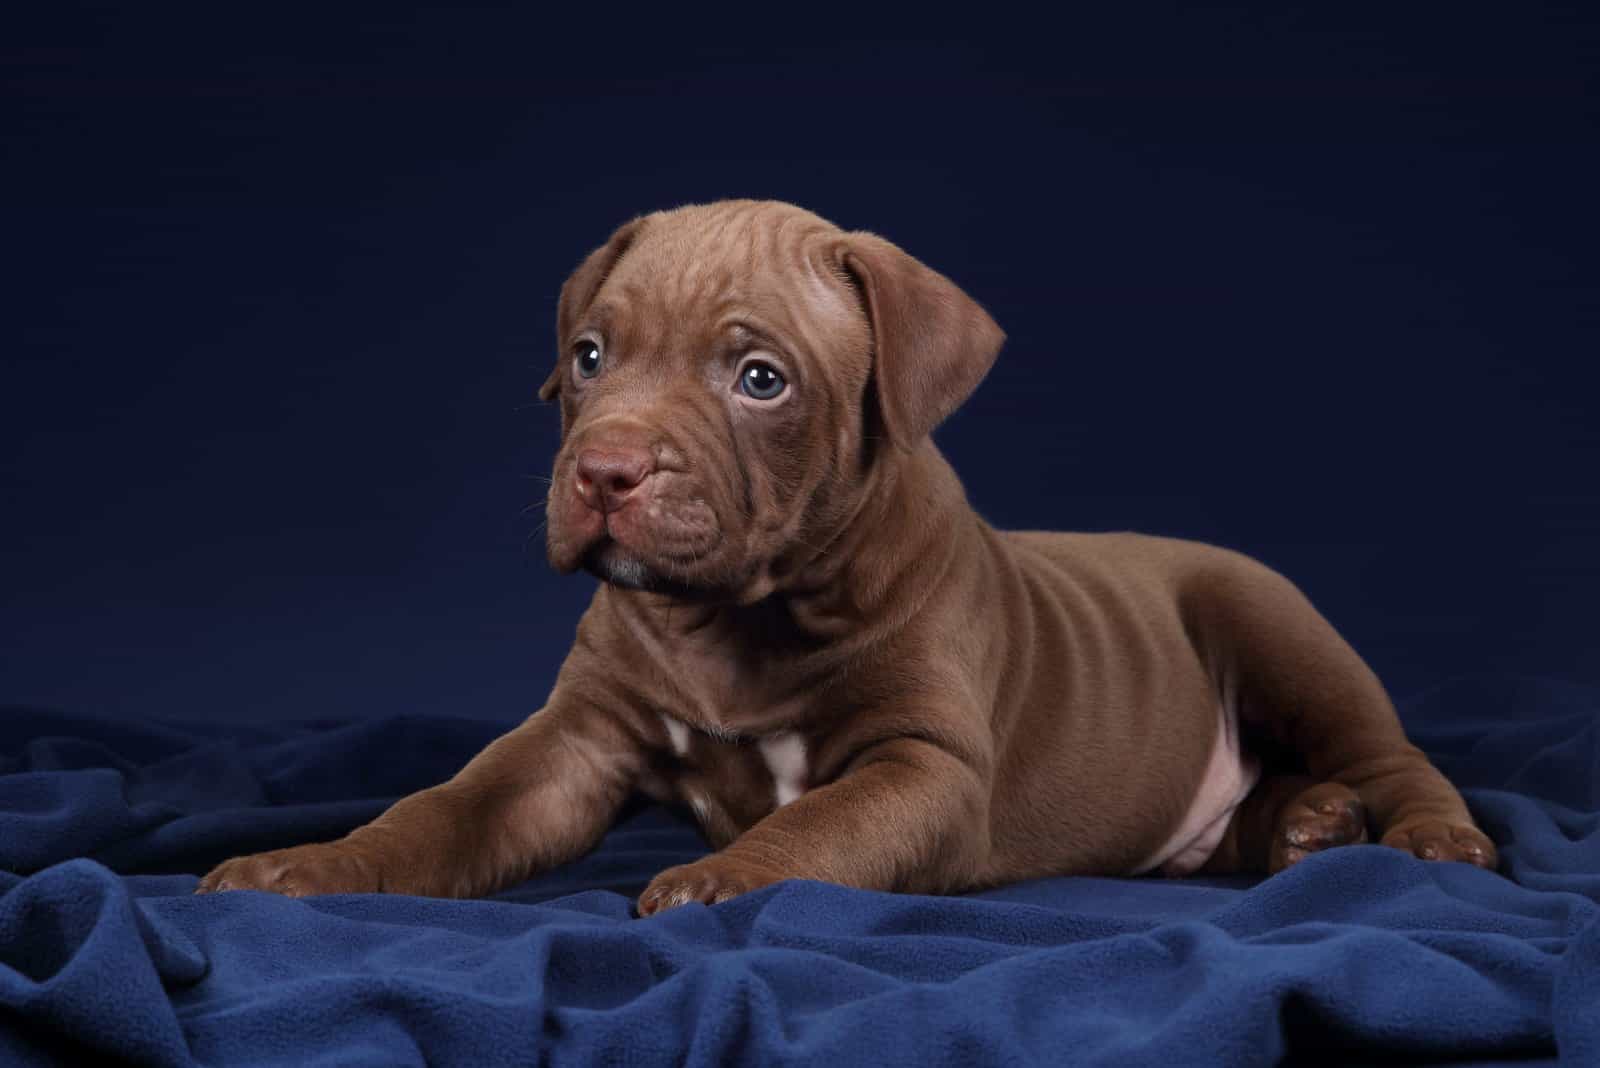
974,706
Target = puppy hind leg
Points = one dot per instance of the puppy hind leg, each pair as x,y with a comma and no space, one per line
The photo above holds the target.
1299,680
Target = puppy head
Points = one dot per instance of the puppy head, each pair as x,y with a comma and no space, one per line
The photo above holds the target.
728,375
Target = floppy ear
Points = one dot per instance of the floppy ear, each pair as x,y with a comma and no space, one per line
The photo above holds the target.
932,344
578,293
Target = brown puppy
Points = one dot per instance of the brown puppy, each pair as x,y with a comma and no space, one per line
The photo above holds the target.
808,637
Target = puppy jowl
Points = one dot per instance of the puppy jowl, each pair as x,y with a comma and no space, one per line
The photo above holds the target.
805,635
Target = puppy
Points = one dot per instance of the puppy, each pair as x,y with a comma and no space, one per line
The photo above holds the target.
807,636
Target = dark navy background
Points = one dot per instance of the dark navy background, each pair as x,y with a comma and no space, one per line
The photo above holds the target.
1321,287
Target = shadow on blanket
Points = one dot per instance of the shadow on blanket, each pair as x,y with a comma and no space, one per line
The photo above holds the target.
1359,953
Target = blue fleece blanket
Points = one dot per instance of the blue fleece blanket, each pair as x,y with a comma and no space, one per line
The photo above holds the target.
1359,953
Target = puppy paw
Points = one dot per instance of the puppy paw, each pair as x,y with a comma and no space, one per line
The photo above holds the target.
1326,815
709,881
327,868
1437,839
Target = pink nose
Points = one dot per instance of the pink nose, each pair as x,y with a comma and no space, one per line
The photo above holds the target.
606,478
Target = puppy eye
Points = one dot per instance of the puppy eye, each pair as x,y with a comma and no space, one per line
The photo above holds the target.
586,358
761,381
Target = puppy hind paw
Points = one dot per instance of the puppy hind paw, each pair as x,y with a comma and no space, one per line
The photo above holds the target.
1321,817
1437,839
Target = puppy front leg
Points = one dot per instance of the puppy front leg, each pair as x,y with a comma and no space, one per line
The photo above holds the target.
906,815
538,796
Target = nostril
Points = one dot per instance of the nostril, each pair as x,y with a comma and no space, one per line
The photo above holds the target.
585,485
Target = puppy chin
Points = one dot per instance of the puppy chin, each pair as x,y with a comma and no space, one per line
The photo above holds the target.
615,565
607,563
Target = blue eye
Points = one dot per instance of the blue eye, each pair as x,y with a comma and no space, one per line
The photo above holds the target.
586,358
761,381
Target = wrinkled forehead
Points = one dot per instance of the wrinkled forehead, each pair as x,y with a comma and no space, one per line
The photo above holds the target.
701,270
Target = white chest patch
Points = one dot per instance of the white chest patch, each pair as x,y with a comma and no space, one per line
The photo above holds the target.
785,755
702,810
678,732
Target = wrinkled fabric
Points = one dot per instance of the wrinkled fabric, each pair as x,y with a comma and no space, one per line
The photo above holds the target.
1356,954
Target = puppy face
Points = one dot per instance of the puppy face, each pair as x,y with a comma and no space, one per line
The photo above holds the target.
714,371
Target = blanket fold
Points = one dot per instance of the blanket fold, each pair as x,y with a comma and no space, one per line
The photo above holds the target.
1361,953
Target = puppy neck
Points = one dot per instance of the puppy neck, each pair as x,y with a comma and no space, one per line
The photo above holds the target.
890,555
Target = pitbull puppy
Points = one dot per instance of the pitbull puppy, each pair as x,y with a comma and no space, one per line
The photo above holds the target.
808,637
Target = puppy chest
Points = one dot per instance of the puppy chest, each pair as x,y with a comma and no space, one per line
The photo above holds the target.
729,783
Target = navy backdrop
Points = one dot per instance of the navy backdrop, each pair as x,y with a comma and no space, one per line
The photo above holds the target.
1320,287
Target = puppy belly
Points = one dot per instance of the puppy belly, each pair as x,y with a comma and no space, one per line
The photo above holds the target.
1229,776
